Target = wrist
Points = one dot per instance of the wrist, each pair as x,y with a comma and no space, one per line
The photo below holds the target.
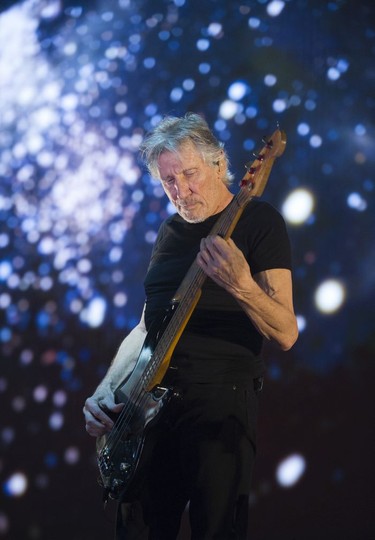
104,388
247,291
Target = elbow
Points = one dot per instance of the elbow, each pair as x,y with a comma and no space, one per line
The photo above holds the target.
289,339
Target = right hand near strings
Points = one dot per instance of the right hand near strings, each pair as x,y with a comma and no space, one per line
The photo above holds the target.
98,423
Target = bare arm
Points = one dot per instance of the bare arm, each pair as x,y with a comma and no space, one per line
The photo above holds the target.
97,421
266,298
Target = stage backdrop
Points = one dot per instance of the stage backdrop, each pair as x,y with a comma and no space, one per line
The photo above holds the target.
80,85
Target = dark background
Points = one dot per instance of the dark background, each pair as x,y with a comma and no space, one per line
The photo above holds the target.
80,84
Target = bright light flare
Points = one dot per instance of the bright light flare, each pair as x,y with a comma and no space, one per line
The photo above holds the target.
228,109
275,7
16,485
330,296
290,470
298,206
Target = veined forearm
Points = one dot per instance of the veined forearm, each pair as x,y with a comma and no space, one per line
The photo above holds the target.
274,320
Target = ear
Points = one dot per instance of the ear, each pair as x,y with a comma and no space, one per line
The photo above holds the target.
222,167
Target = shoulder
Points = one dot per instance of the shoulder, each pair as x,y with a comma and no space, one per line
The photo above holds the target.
264,231
260,217
167,223
262,211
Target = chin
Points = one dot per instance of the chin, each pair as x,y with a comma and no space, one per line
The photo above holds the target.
192,218
196,214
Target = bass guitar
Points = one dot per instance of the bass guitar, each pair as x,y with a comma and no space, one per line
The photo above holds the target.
122,454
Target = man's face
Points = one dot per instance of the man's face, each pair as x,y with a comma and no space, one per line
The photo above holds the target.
194,187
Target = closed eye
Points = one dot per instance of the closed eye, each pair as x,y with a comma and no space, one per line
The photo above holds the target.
190,172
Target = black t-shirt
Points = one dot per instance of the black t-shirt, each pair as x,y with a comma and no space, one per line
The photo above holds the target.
219,343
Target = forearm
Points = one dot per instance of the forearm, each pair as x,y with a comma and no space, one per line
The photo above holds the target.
273,319
124,361
97,406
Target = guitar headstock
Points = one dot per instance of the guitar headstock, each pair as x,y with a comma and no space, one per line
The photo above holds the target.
258,171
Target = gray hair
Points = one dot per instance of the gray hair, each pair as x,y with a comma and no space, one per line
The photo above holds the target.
173,132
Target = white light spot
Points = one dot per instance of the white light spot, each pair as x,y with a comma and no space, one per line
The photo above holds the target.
310,105
220,125
16,485
342,65
94,313
254,22
333,74
56,421
115,254
204,68
360,130
5,300
279,105
149,63
120,299
69,102
214,29
59,398
84,265
51,9
315,141
40,393
270,80
203,44
357,202
72,455
176,94
150,236
70,48
237,90
228,109
290,470
298,206
26,357
275,7
251,112
329,296
188,84
303,129
5,270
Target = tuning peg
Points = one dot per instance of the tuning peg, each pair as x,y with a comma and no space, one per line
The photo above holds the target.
250,168
267,142
259,157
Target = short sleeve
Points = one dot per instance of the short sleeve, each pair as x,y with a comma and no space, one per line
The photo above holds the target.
267,239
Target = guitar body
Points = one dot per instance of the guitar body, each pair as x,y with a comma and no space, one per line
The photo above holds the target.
122,455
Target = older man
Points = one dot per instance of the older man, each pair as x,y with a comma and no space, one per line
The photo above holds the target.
204,443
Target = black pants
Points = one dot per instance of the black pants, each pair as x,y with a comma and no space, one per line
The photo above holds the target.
204,455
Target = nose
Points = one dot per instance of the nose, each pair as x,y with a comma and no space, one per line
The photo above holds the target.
182,187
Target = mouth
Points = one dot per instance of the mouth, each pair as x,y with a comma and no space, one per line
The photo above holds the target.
187,206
